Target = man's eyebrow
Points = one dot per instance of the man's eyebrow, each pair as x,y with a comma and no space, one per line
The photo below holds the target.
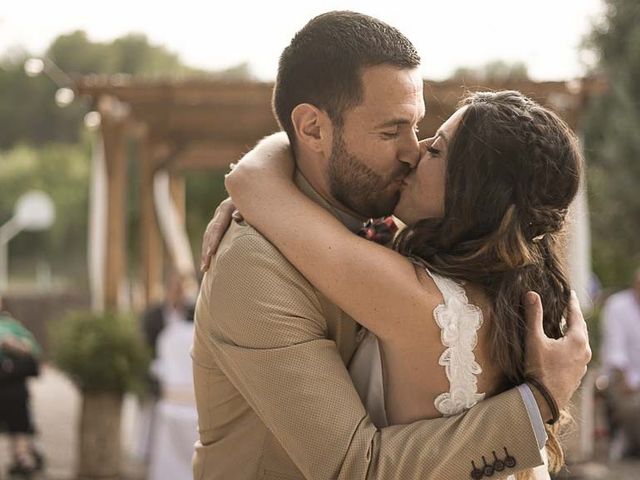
394,121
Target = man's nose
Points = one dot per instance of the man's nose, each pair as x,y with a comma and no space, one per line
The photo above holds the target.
409,152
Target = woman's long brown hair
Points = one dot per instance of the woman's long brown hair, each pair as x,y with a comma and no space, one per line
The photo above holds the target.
513,168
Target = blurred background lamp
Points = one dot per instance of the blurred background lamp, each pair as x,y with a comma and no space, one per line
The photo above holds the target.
64,96
33,67
92,120
34,211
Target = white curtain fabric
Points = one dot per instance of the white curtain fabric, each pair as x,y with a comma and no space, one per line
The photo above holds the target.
98,203
173,228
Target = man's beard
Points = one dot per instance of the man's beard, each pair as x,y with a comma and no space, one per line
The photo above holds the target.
358,187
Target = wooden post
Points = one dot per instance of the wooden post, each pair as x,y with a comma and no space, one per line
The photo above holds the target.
178,193
116,252
151,250
177,188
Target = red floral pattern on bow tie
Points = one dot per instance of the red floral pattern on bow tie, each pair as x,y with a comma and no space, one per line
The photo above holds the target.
379,230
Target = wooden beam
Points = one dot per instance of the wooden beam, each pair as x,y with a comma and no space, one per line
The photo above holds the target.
192,110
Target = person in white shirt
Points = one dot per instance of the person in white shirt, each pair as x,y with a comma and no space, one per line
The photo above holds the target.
175,428
621,359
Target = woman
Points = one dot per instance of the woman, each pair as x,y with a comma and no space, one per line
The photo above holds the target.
484,209
19,360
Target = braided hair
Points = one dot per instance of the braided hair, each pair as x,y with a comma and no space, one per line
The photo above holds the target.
513,168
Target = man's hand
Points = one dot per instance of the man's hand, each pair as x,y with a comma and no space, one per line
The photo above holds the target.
558,364
215,231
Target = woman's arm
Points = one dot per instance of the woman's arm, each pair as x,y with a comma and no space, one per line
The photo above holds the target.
376,286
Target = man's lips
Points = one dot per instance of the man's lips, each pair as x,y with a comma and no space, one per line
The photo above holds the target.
402,182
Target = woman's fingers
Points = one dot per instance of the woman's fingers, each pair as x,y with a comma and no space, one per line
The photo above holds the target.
214,232
577,330
533,315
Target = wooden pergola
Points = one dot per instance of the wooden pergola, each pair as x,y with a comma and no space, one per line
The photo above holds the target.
200,123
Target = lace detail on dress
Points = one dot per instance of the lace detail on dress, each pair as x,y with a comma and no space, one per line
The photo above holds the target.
459,322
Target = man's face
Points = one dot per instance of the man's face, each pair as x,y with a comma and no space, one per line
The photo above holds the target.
377,145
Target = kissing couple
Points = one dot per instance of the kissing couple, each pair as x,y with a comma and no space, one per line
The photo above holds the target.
446,350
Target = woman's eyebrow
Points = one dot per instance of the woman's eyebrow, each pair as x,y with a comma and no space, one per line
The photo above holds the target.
442,135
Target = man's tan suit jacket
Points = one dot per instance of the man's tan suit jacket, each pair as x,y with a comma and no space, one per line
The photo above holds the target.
275,400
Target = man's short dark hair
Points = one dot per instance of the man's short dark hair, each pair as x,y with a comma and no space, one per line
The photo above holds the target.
323,63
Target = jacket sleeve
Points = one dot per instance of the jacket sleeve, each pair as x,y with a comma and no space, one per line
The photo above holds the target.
270,339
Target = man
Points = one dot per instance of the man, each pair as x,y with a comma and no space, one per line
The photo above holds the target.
274,397
621,358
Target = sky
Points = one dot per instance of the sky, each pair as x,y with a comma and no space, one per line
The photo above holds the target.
544,34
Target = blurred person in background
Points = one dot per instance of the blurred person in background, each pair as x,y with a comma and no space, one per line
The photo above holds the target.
173,309
19,360
621,359
169,331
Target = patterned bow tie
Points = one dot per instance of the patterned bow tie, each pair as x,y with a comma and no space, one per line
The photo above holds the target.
379,230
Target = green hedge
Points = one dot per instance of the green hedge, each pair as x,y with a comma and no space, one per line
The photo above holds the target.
101,352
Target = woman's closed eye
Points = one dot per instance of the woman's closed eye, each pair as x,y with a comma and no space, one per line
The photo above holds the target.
433,151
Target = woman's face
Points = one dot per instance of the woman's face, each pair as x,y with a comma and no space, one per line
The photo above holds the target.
422,194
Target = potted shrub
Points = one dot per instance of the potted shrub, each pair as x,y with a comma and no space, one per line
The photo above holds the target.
105,356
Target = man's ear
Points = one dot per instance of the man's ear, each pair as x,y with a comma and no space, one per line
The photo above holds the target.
312,126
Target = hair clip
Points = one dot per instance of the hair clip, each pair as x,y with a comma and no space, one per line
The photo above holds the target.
538,238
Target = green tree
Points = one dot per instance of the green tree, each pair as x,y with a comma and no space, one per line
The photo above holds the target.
42,146
612,144
28,112
494,71
74,53
63,172
205,190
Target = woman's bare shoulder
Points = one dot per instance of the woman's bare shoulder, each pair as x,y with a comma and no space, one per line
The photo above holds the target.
418,325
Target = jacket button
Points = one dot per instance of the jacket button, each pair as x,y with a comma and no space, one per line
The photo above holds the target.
487,469
509,461
476,473
498,465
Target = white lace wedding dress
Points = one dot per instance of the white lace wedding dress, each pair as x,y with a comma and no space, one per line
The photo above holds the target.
459,322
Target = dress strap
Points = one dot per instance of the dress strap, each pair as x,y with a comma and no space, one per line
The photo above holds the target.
459,322
448,287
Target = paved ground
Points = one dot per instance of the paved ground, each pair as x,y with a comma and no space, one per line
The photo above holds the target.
56,404
626,470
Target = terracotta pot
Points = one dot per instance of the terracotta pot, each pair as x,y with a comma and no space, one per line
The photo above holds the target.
99,440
